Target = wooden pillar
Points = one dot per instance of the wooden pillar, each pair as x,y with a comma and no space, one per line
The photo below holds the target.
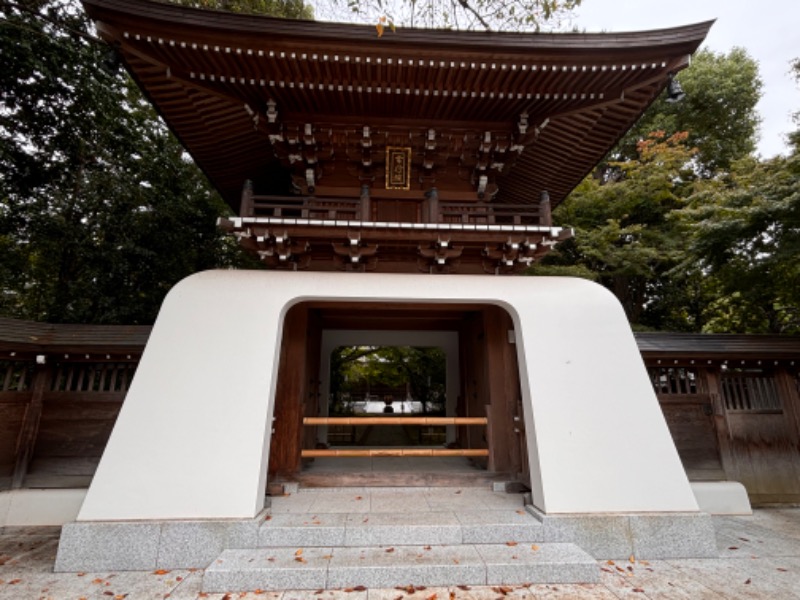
30,424
710,382
366,204
502,380
432,196
545,216
246,207
471,351
290,394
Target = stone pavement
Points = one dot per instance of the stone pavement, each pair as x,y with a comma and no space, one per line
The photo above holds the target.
759,558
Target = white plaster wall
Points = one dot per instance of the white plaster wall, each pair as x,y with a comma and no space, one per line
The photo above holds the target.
35,508
193,435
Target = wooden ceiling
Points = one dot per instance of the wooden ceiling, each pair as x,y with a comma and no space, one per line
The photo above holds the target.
240,90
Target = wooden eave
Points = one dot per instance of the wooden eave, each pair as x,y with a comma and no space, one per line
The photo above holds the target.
731,347
18,335
209,73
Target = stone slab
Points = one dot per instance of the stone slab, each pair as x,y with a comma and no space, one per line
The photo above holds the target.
602,536
673,535
268,569
498,527
537,563
108,546
302,530
194,544
406,565
377,529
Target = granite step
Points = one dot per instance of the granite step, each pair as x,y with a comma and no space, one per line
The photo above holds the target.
399,529
316,568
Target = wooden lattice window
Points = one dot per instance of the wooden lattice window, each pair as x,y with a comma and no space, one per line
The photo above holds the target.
673,380
750,390
93,377
15,375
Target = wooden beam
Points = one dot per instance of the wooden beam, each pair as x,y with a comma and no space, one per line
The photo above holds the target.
395,421
370,452
30,425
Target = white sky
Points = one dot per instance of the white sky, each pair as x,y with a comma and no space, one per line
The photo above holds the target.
768,29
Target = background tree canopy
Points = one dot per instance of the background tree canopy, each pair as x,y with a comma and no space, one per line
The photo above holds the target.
686,226
101,211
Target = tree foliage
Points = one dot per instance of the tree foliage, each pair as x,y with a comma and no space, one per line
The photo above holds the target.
101,212
288,9
693,232
719,111
422,369
497,15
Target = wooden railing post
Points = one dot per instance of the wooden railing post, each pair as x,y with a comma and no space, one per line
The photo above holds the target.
366,204
246,207
30,423
545,216
433,205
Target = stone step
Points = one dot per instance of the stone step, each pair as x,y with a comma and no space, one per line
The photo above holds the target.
399,529
389,566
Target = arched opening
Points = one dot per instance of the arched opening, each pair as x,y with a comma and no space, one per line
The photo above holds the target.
393,394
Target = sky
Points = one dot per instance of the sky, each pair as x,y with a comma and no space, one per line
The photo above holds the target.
768,29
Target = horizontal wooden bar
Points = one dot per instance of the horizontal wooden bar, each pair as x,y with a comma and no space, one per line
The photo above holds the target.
371,452
395,421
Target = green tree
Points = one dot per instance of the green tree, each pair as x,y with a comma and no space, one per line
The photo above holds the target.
289,9
496,15
624,237
718,112
101,212
745,242
423,369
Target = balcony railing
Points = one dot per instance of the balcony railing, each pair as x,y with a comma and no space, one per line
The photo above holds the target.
372,210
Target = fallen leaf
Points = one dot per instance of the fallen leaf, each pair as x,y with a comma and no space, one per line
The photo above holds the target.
426,547
160,572
733,547
360,588
744,539
97,581
644,562
464,588
747,582
107,593
432,597
511,543
640,590
610,562
268,518
535,548
782,570
15,581
359,497
632,559
81,574
389,550
299,559
520,512
452,595
606,570
299,552
456,561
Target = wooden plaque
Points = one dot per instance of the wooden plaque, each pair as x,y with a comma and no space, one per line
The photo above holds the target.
398,168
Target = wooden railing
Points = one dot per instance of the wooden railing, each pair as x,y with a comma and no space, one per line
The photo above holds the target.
356,209
393,421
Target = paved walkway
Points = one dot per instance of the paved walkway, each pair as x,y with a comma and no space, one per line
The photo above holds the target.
759,558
